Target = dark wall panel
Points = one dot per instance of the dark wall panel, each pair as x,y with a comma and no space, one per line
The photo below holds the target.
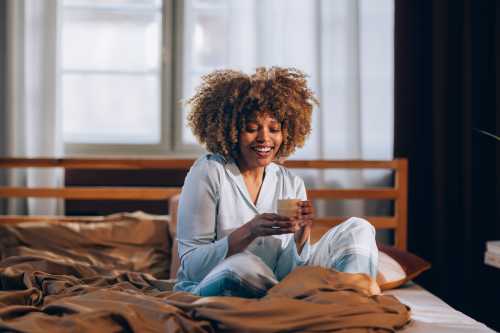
129,178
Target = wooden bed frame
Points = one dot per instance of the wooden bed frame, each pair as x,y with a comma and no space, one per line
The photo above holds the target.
397,193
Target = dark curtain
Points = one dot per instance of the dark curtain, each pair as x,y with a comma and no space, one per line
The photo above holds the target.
447,83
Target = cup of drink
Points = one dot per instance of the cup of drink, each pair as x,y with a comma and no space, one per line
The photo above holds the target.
288,207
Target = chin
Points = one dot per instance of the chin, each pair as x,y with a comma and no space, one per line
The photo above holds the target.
263,163
254,161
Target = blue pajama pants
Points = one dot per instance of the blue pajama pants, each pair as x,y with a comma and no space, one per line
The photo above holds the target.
348,247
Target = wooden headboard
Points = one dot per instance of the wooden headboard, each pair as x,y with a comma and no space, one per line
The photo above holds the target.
398,193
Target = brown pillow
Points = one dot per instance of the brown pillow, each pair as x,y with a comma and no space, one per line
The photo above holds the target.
136,242
396,267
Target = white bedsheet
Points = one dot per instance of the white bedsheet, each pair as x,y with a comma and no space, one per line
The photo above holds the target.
430,314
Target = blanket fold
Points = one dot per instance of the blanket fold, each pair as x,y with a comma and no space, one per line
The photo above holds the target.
43,294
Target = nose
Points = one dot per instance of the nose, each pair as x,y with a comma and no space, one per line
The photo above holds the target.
263,135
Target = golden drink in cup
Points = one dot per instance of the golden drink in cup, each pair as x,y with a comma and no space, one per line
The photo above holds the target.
288,207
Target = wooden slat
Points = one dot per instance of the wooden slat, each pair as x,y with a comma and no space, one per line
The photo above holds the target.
341,164
379,222
92,193
322,225
12,219
371,193
401,206
151,163
96,163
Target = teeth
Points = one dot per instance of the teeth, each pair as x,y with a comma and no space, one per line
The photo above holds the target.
263,150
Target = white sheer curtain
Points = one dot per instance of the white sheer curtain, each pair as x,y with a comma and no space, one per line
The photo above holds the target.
338,43
346,46
32,115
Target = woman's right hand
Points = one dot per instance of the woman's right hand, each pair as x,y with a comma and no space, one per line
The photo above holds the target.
272,224
261,225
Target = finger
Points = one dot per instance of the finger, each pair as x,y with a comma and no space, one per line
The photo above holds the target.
309,208
269,216
307,223
307,220
305,210
305,203
277,224
280,225
280,231
283,217
269,231
295,222
290,225
274,217
288,231
307,217
295,226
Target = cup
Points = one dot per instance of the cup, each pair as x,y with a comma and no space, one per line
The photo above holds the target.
288,207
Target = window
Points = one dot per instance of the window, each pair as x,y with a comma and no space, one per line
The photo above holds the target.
128,65
112,74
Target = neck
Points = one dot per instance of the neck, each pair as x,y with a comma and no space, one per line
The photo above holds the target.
255,174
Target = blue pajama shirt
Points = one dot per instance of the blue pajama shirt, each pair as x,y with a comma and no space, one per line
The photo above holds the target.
215,201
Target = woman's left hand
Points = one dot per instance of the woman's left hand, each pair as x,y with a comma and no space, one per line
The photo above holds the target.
305,215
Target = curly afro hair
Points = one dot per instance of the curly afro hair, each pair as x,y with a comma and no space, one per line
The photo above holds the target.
227,99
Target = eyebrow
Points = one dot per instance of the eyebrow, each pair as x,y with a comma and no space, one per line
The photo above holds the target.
253,121
272,123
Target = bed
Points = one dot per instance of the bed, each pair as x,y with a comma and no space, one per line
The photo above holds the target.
115,272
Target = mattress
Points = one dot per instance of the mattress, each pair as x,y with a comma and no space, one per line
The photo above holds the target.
431,314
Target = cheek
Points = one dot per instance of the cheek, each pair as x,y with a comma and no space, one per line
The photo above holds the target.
244,140
278,140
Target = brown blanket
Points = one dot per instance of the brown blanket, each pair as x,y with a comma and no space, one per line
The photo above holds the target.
40,294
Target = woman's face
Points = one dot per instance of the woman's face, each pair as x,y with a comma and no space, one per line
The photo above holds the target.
259,142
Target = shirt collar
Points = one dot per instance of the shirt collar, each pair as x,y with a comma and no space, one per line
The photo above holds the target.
269,179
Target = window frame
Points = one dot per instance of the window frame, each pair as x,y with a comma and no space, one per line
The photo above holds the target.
171,63
178,145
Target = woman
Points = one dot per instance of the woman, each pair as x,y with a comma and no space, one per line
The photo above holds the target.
231,241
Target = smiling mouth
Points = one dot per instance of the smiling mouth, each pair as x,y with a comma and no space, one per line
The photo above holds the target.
263,150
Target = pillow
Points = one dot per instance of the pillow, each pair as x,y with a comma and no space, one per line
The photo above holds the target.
396,267
112,244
